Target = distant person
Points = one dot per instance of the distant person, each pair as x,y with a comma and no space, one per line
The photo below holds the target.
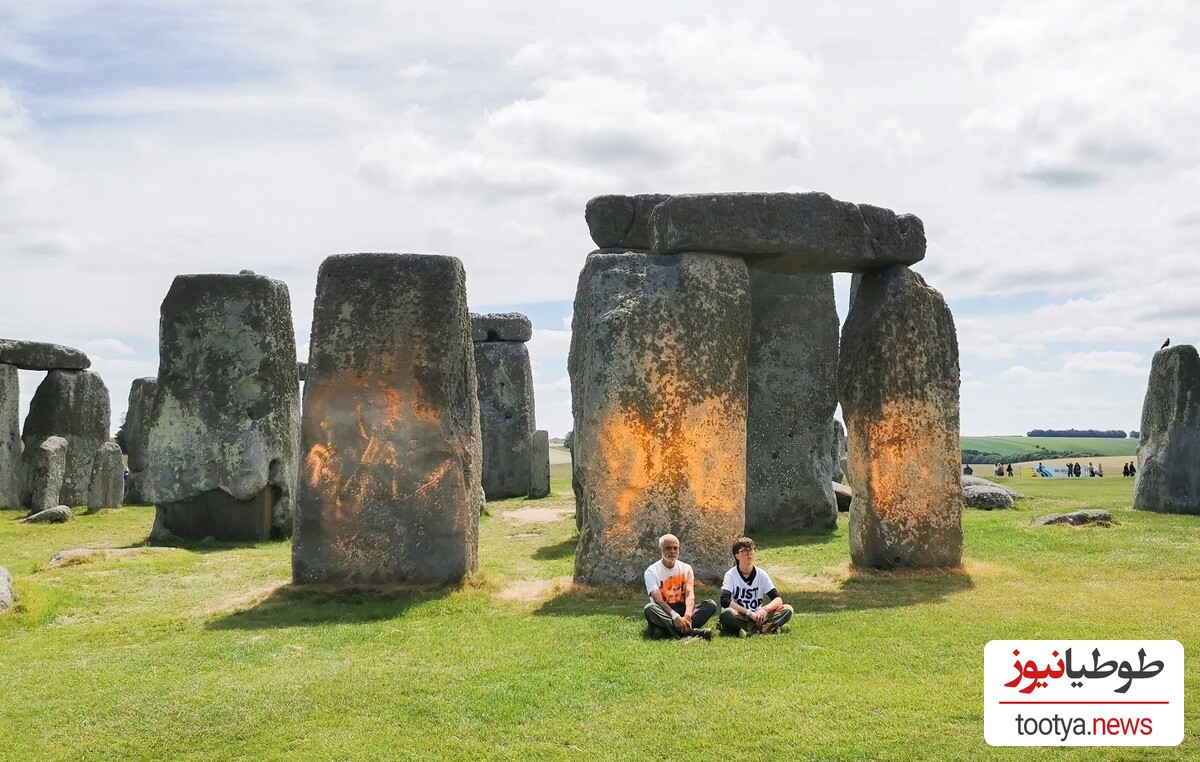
1078,470
1100,470
1009,469
750,603
967,470
1125,470
1132,470
999,470
1091,469
670,583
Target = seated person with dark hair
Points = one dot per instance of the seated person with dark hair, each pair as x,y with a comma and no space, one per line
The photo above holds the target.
749,601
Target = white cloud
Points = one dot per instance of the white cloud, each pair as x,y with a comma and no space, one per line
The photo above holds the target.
108,347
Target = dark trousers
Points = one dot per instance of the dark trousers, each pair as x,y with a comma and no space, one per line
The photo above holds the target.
660,619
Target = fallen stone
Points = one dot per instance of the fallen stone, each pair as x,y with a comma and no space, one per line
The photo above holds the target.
623,222
56,515
658,386
1077,518
10,438
72,404
1168,476
792,372
45,464
78,556
898,379
539,466
501,326
844,496
506,417
391,491
986,498
37,355
6,590
108,478
224,427
137,438
838,437
968,481
797,233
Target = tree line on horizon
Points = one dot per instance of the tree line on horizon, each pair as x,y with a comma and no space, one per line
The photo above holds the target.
1092,433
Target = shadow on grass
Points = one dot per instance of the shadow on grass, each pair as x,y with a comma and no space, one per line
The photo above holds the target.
309,606
782,540
564,549
858,592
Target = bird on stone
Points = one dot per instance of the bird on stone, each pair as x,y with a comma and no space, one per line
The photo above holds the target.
1165,343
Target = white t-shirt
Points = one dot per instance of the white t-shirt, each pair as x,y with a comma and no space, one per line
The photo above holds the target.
672,583
748,594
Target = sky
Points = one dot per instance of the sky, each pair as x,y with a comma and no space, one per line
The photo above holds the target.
1050,148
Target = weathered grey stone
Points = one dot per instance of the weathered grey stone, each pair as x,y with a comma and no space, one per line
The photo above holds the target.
108,478
844,496
72,404
302,369
501,326
6,590
1077,518
539,465
10,437
792,371
390,493
798,233
1168,477
224,427
506,417
658,387
77,556
968,481
986,498
56,515
137,438
37,355
616,221
45,464
898,383
838,438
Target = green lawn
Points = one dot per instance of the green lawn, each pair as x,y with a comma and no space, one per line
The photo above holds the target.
206,653
1011,446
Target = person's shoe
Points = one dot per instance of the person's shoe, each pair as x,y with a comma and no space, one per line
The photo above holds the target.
704,633
772,629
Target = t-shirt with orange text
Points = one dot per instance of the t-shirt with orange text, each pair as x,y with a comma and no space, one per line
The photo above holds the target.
672,583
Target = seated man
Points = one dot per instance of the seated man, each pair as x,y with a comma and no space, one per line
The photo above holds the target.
749,601
670,583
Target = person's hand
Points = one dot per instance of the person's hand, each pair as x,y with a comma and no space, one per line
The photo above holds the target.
684,624
759,617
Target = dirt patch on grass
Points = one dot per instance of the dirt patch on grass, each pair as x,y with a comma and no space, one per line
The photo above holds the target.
523,516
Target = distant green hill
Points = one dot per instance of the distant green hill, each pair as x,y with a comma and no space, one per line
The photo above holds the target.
1021,449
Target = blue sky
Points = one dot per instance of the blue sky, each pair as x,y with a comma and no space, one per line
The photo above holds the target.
1049,148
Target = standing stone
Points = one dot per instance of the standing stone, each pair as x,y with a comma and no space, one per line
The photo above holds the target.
72,405
1168,477
10,437
658,387
506,415
898,382
137,438
45,465
539,465
6,590
792,369
108,478
838,434
390,489
224,426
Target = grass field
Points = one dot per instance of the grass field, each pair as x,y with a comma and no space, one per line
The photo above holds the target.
1012,446
206,652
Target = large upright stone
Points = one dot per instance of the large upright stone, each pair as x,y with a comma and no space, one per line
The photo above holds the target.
1168,477
224,426
108,478
898,383
792,370
73,405
539,465
390,488
506,414
10,437
798,233
37,355
658,387
45,465
616,221
838,441
137,438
